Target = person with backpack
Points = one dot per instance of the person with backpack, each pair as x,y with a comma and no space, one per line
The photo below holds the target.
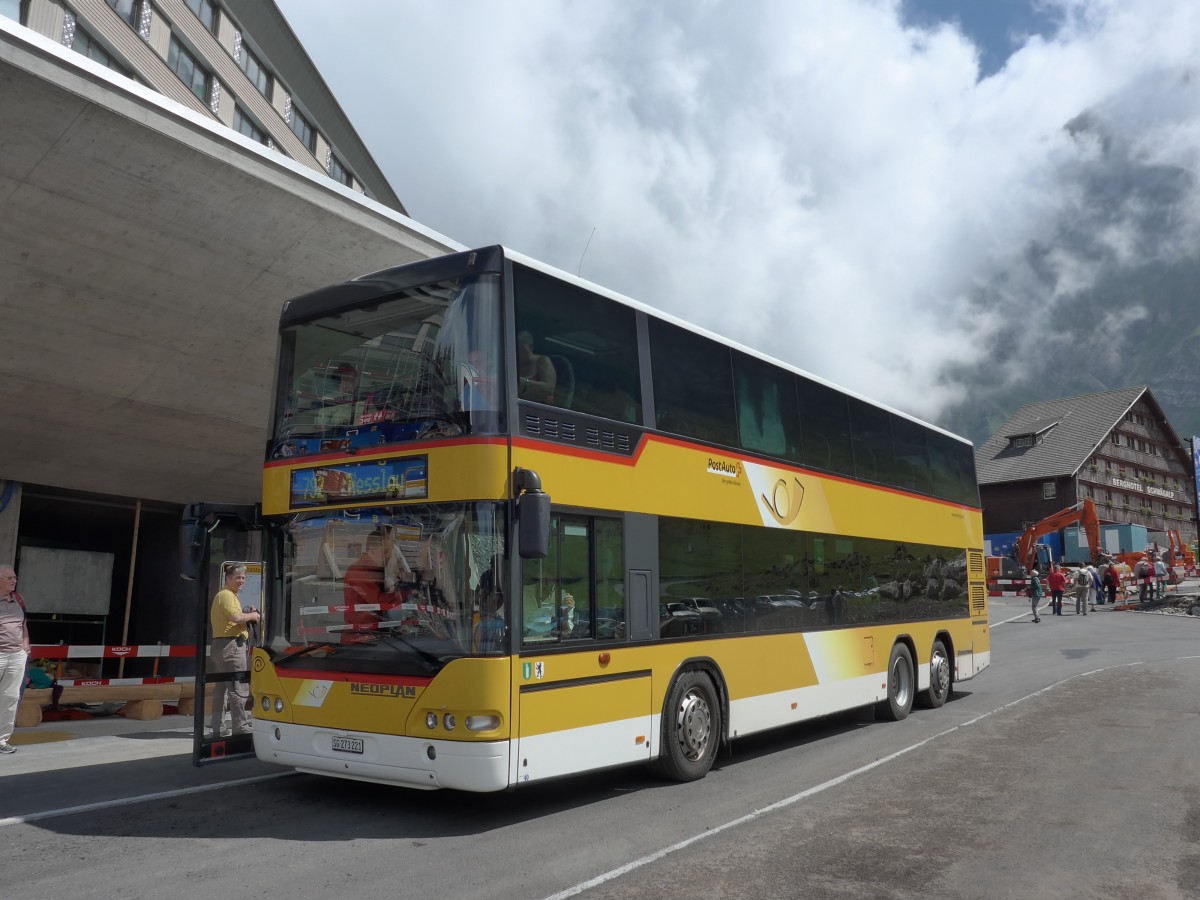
1110,579
1035,592
1083,583
14,651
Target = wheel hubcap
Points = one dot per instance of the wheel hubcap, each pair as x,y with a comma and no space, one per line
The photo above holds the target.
939,674
694,725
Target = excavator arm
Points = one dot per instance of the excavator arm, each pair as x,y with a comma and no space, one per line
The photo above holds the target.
1083,512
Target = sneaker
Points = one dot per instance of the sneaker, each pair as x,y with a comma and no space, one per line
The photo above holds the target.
7,748
1036,621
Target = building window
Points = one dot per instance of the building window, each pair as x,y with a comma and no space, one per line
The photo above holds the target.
1048,490
244,124
255,71
338,172
129,10
205,12
1115,438
183,64
303,130
84,43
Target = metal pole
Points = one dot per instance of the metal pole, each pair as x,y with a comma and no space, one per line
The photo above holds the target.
137,524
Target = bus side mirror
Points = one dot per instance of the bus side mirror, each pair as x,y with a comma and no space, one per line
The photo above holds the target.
533,515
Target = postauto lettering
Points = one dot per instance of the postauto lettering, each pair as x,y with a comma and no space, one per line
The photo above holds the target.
384,690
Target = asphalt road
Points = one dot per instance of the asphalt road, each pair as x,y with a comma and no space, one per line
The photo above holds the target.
1070,768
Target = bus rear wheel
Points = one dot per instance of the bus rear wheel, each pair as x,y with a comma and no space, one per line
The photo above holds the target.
941,681
691,729
900,684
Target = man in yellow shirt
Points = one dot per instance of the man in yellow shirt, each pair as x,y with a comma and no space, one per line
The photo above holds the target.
230,653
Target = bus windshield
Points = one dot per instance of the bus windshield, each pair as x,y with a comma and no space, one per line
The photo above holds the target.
420,364
392,590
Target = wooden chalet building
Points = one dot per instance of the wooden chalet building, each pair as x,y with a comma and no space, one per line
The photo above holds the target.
1115,447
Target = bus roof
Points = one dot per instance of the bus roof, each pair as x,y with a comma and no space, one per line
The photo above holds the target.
515,256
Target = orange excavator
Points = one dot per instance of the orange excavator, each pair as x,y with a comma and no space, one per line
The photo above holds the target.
1178,553
1083,512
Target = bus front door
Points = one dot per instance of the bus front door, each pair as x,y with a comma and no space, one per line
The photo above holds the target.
220,549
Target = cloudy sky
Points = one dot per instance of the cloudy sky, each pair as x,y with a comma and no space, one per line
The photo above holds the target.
872,190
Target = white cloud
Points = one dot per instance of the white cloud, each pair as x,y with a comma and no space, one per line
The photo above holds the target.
818,181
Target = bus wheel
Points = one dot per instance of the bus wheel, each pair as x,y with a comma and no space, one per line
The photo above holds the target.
691,729
899,686
940,683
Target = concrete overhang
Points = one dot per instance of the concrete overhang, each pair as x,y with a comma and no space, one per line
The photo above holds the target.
145,253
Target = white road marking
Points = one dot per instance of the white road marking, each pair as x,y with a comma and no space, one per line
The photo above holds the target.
812,791
140,798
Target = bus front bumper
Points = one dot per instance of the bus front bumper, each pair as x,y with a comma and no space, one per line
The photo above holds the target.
421,763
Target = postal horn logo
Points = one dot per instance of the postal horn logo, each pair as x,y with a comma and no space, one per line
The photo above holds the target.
785,500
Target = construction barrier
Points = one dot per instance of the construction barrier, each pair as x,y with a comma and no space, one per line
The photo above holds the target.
1006,587
142,698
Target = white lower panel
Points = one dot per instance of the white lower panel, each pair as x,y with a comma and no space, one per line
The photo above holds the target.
773,710
580,749
971,664
410,762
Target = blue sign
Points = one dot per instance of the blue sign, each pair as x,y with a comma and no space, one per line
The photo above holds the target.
1196,467
398,478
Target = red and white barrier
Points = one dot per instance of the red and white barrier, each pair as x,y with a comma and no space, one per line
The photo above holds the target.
98,682
1006,587
374,607
113,651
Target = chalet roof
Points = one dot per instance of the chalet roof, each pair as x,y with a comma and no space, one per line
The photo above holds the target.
1069,432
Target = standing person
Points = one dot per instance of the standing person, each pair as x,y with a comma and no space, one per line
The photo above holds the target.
1160,577
1035,593
1083,584
1110,579
1058,583
1144,572
14,651
1096,592
231,653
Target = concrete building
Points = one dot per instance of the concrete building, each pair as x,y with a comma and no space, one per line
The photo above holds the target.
180,169
1115,447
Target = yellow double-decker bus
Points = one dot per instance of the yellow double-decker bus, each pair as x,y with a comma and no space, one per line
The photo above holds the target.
519,527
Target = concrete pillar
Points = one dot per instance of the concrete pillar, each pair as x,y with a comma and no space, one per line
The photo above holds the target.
10,517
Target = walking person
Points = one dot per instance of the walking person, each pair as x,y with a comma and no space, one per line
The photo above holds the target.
14,652
1035,592
1095,589
1083,583
231,654
1058,585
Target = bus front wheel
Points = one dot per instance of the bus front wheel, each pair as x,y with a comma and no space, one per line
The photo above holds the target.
900,684
691,729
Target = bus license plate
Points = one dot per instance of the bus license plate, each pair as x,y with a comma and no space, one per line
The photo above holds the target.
348,744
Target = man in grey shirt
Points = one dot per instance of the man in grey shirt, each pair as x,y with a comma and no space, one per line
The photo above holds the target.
14,651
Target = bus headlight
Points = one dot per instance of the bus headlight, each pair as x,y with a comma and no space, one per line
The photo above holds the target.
431,720
448,721
278,704
483,723
266,703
